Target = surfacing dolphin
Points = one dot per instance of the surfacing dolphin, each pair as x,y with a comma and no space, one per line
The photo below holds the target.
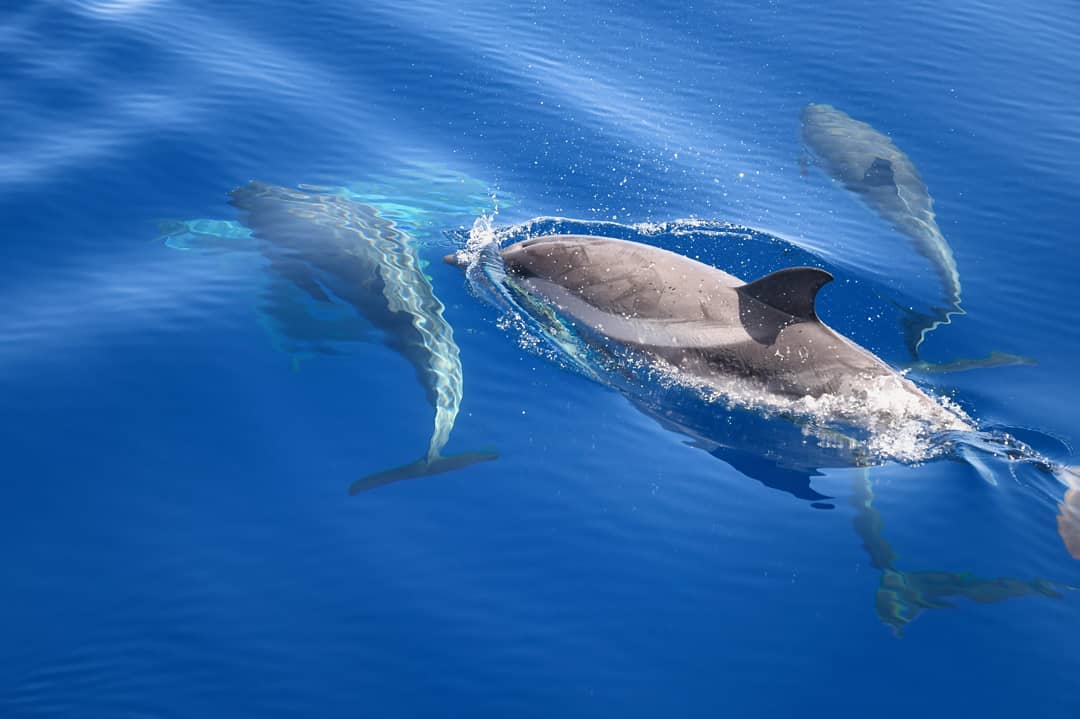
870,165
760,346
331,246
763,338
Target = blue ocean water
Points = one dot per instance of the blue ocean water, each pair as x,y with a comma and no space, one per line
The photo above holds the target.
182,424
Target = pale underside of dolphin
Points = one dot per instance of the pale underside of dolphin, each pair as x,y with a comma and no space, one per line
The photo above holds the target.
869,164
334,247
711,326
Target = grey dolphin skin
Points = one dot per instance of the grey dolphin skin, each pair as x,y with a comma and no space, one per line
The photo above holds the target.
707,323
329,245
870,165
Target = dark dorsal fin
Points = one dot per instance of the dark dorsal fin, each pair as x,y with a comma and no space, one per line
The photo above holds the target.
792,290
879,174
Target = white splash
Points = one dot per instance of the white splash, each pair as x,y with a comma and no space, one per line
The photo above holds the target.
900,422
482,235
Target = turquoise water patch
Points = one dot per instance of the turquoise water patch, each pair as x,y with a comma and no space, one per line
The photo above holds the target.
206,236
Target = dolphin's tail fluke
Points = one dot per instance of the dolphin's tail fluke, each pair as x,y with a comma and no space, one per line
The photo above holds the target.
420,468
917,325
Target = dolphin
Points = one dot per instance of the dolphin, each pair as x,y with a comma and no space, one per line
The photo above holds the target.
1068,518
332,247
867,162
903,595
712,328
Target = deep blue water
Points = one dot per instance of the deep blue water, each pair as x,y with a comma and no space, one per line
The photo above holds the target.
176,532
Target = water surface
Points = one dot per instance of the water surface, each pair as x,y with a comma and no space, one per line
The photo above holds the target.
177,538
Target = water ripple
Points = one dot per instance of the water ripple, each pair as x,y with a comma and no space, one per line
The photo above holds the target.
178,539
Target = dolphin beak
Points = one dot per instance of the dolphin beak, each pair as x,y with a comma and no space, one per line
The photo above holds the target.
457,259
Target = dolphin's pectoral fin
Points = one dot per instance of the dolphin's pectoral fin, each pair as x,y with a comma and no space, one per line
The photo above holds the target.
792,290
976,462
300,274
420,468
879,174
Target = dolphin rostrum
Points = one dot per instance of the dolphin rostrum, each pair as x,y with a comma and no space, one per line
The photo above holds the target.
870,165
712,328
333,247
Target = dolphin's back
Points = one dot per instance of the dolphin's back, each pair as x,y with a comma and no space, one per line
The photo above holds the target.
628,278
869,164
697,317
857,154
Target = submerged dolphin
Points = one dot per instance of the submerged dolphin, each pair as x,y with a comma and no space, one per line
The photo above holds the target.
903,595
331,246
714,329
869,164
